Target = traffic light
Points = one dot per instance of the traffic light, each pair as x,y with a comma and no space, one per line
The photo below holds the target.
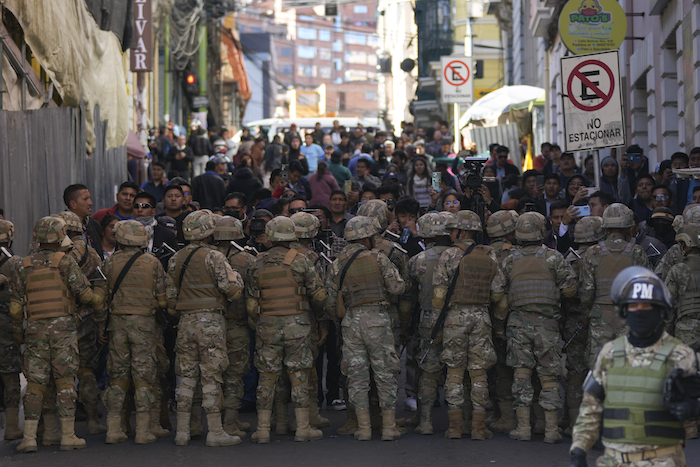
190,84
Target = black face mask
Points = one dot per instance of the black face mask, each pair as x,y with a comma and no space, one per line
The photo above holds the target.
662,229
646,327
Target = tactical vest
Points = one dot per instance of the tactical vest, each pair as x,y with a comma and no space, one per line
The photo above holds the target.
476,272
425,295
689,302
634,410
612,261
239,263
504,250
47,294
531,281
136,291
280,293
363,283
198,291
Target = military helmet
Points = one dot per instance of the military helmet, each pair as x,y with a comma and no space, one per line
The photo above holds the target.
7,231
228,228
689,234
306,225
618,216
198,225
636,284
375,209
281,229
49,230
692,215
434,224
361,227
530,227
72,221
131,233
589,230
501,223
465,220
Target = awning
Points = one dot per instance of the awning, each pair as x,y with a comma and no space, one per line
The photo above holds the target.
500,101
134,148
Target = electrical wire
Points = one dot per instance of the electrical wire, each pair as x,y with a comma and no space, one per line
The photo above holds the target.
185,35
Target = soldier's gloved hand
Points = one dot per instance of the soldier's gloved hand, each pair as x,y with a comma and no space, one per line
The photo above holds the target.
684,410
18,339
578,458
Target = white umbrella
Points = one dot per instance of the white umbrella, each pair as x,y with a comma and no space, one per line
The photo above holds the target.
495,103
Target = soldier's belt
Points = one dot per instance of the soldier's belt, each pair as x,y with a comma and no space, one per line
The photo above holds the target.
627,457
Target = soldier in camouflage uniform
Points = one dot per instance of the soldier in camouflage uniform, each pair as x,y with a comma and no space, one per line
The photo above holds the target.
306,227
48,283
89,260
587,232
599,266
674,255
11,336
227,231
466,337
640,428
432,227
132,329
279,288
535,277
360,283
199,282
500,227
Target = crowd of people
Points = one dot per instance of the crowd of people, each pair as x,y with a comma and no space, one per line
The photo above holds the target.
359,248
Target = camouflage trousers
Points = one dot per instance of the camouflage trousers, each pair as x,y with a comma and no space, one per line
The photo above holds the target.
431,368
688,331
467,345
10,362
201,356
51,351
576,360
534,343
671,460
282,343
368,344
238,350
88,391
132,350
605,325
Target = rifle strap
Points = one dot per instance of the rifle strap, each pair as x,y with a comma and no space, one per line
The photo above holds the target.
182,273
345,270
450,290
119,280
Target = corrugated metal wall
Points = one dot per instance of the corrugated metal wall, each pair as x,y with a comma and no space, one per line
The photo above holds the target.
506,134
41,153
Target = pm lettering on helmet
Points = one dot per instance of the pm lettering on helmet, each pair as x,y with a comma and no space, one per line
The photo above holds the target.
643,291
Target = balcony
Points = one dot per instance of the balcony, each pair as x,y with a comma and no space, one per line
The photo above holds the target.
540,17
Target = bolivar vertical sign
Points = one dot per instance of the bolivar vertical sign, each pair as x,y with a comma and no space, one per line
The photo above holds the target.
142,43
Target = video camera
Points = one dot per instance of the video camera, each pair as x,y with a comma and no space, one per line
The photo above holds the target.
471,177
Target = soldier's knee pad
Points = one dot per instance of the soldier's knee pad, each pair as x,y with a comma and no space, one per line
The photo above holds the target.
478,376
297,378
522,373
454,376
549,382
65,384
84,372
36,389
187,387
270,379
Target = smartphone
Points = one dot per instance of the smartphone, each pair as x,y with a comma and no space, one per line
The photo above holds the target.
634,157
530,207
540,180
405,235
584,210
347,186
437,181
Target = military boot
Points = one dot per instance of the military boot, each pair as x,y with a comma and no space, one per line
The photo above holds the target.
114,429
52,432
389,430
454,431
425,427
538,411
196,421
182,437
28,444
691,429
467,410
315,418
551,433
242,426
12,429
262,435
416,419
94,427
524,431
282,427
304,431
230,425
351,426
479,430
68,439
143,434
217,436
507,421
364,425
154,425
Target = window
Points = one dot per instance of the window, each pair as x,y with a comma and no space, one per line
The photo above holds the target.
306,52
355,38
371,59
325,72
286,52
338,62
287,69
307,18
360,9
306,33
304,71
370,95
337,45
355,75
324,36
355,56
373,41
324,54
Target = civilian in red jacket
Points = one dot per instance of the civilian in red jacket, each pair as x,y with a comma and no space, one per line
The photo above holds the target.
124,209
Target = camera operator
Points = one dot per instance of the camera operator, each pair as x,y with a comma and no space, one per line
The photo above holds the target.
256,230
